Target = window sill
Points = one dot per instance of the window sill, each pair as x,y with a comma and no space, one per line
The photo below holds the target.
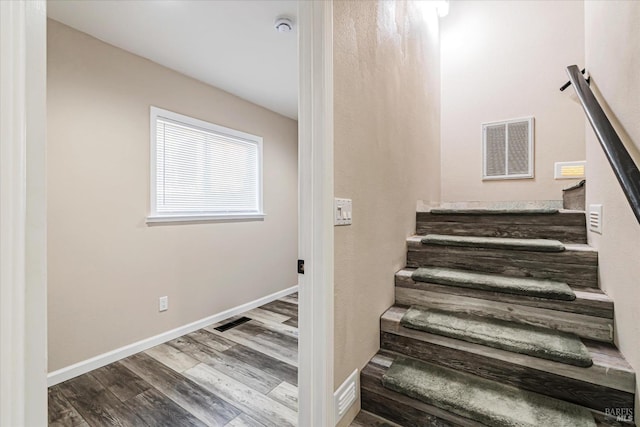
177,219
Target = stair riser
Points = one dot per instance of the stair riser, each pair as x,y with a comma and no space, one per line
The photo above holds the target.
566,227
586,394
595,328
586,303
576,268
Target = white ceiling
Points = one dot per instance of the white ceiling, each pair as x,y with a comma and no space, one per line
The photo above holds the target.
228,44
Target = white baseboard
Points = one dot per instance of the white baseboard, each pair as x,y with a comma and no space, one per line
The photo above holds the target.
96,362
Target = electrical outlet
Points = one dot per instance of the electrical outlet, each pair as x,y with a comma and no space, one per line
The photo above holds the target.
163,304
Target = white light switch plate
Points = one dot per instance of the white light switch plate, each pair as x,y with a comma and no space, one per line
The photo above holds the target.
343,211
163,304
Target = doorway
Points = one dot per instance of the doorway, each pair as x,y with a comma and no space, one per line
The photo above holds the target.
316,240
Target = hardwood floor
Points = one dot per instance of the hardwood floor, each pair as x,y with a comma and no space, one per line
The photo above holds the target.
244,376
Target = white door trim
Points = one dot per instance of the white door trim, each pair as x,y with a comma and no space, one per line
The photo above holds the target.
23,298
23,295
315,189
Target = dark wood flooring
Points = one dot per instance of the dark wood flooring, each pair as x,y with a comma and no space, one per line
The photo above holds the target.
367,419
244,376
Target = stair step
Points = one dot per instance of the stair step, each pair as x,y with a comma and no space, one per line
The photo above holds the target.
535,245
483,400
577,265
588,301
398,408
488,211
566,226
608,383
586,326
497,283
407,411
525,339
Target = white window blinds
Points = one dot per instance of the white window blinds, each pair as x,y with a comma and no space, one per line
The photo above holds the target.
203,169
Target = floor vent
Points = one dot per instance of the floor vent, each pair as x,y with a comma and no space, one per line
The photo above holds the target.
595,218
345,396
233,324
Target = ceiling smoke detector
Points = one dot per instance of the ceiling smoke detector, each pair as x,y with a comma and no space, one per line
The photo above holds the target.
283,24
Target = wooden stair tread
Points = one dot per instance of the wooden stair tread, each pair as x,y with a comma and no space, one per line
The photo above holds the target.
397,407
416,241
506,243
540,342
525,286
589,301
375,398
609,368
570,317
489,211
521,216
471,396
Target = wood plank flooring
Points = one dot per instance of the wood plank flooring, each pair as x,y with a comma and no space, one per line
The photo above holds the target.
245,376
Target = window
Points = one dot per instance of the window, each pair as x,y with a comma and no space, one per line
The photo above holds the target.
507,149
201,171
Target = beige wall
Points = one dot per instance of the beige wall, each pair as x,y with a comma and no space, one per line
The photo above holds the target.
613,59
504,60
386,100
106,267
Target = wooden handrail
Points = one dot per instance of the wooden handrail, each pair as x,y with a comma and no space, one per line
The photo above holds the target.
623,166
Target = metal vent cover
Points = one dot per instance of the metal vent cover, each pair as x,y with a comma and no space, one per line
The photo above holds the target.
345,396
595,218
507,149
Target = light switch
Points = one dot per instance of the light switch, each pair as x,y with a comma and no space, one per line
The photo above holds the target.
343,209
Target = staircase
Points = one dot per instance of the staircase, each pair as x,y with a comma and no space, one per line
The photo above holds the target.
498,320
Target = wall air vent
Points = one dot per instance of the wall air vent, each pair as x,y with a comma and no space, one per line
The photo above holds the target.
345,396
595,218
507,149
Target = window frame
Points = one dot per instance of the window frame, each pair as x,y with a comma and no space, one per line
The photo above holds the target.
154,217
531,146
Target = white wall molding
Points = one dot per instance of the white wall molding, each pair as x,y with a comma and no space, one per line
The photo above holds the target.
23,297
12,213
96,362
315,189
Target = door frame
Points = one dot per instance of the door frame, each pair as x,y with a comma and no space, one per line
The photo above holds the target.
315,192
23,286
